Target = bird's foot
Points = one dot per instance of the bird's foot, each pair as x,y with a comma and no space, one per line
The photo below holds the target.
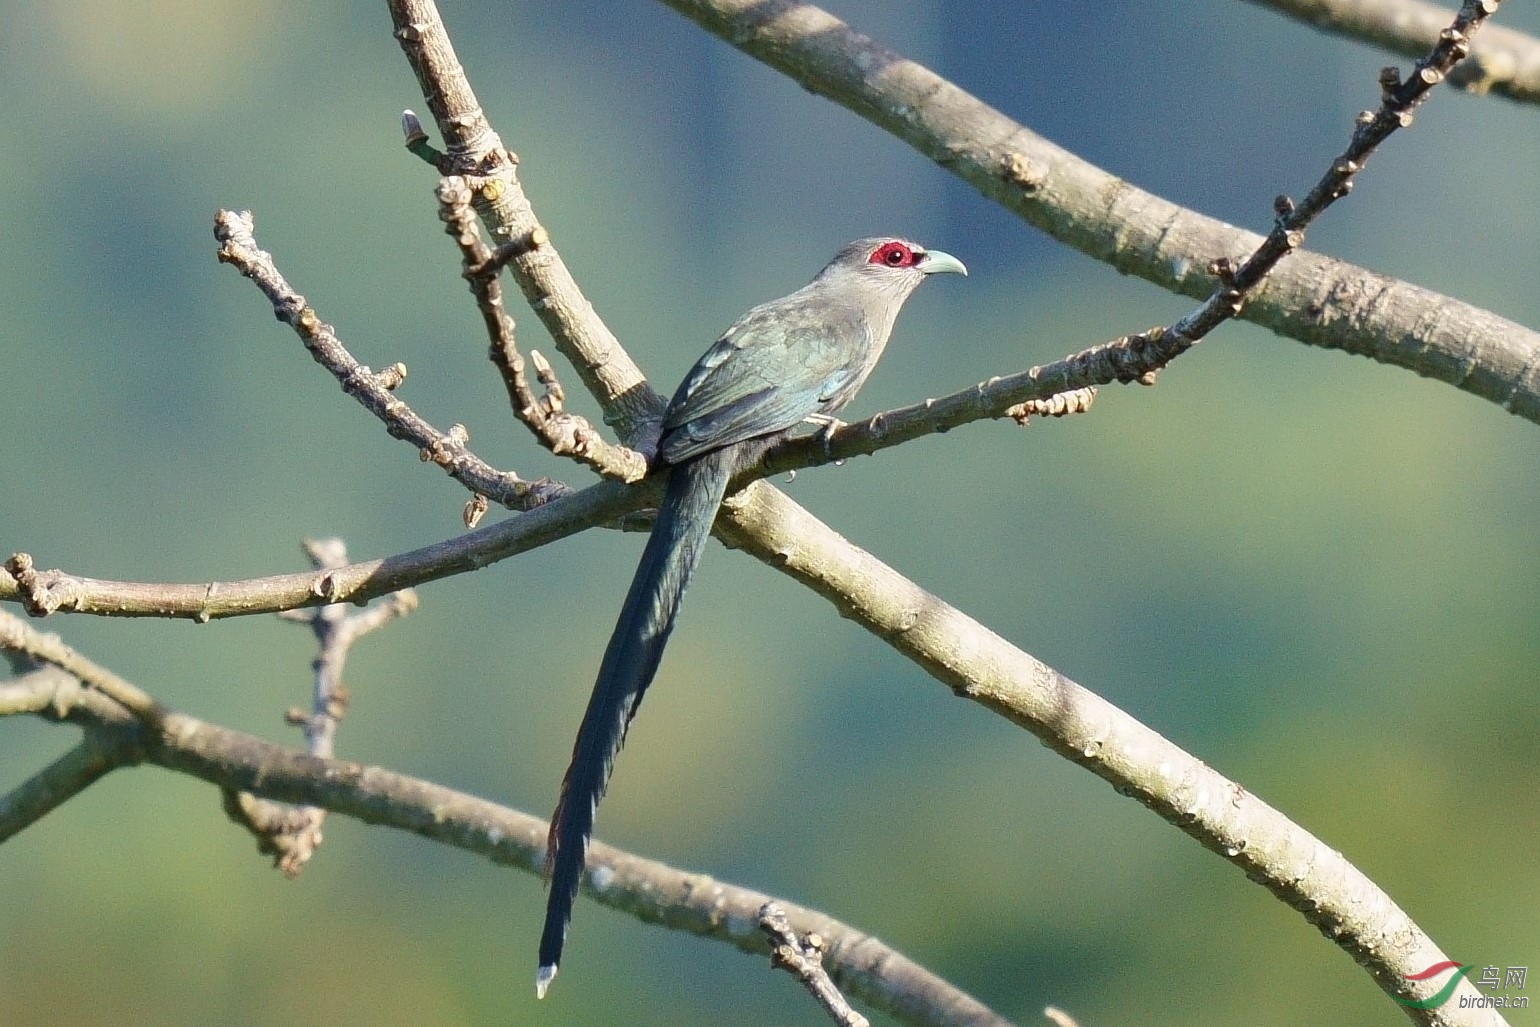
829,425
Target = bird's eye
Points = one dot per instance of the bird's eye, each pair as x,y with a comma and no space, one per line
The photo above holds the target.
893,254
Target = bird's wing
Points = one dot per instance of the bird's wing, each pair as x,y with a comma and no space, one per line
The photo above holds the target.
778,364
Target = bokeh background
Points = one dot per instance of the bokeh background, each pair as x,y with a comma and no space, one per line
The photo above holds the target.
1316,573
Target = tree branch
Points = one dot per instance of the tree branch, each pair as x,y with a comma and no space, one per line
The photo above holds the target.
92,758
801,955
1504,61
375,390
55,591
559,431
473,149
1131,358
983,667
1314,299
648,890
292,834
979,665
17,636
54,785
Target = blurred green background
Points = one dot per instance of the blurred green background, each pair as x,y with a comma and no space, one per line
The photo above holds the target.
1316,573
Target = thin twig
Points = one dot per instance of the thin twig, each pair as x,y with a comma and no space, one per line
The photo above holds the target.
1398,103
292,834
44,592
1140,357
336,632
57,591
17,635
562,432
1315,299
1047,391
1504,61
374,390
801,955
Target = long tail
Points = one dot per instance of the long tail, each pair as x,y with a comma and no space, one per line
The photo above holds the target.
690,503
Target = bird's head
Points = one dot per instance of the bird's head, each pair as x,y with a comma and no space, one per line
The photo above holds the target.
891,264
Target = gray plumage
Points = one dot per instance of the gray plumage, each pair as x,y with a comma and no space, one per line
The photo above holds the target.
800,356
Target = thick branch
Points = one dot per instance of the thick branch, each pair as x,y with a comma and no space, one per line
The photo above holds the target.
53,786
474,150
1312,298
89,761
989,670
1504,60
979,665
649,891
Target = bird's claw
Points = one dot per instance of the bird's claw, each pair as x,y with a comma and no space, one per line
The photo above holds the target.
828,426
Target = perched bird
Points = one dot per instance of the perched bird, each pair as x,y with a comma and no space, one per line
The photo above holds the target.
795,359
